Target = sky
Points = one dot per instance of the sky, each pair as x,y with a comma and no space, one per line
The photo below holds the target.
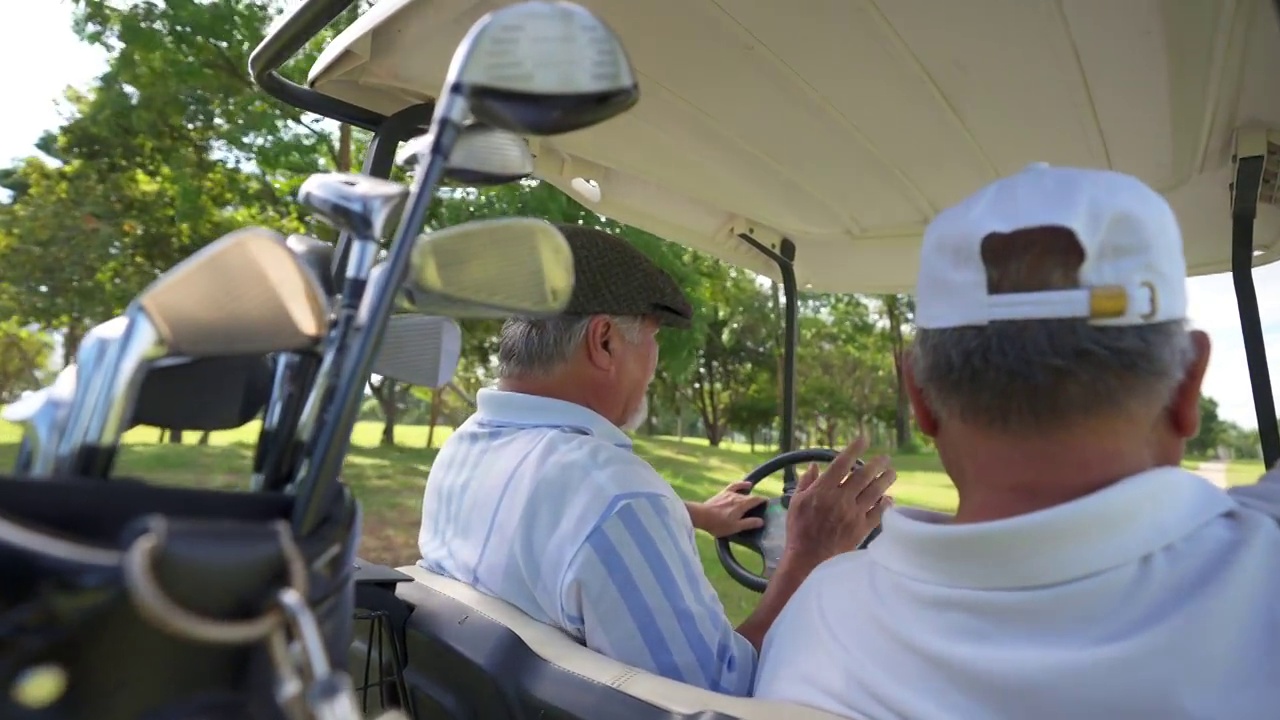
43,56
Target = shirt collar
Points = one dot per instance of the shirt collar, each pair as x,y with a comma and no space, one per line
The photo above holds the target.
507,408
1106,529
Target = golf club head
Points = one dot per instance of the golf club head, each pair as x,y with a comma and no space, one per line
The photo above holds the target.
354,203
317,255
419,350
491,268
246,293
542,68
481,156
91,355
44,414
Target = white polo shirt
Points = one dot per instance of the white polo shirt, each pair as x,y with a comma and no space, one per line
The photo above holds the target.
543,504
1157,597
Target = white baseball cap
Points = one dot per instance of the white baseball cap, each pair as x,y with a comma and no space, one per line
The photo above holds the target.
1134,271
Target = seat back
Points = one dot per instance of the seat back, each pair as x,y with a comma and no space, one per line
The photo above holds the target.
474,656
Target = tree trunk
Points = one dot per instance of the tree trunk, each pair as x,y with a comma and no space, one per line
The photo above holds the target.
71,338
175,437
707,403
388,430
648,421
715,433
830,430
344,148
751,438
436,397
902,410
385,392
163,432
204,438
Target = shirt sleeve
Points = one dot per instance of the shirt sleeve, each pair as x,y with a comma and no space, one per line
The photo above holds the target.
636,591
1263,496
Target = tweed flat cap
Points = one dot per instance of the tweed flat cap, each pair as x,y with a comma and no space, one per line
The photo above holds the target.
612,277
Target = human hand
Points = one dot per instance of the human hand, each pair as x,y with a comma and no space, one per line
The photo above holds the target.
832,512
722,513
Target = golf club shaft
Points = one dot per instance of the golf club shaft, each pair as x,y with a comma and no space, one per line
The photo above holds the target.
356,276
277,454
324,458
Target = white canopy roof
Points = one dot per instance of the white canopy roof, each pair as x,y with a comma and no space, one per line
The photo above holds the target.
845,125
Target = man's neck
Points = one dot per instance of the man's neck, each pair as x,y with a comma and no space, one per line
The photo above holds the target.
554,387
1000,477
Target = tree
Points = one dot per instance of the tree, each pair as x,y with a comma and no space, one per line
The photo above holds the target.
845,367
170,148
1212,430
755,408
736,341
24,357
898,311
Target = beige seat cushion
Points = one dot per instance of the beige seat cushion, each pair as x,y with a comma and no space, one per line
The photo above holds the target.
560,649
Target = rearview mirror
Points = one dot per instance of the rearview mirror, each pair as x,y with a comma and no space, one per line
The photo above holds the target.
492,268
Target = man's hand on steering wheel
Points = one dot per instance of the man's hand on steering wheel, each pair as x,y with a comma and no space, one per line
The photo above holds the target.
822,516
832,512
725,513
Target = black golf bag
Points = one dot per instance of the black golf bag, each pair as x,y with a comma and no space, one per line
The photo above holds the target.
121,600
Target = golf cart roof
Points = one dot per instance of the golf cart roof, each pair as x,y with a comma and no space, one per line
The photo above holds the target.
846,126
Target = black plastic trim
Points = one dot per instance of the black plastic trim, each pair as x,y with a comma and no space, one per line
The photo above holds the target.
286,37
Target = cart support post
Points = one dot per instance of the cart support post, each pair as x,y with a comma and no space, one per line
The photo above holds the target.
1250,161
784,257
380,158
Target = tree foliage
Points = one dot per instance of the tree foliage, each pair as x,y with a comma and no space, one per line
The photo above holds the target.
170,148
24,357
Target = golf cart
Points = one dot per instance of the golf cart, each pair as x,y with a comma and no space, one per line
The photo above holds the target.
812,146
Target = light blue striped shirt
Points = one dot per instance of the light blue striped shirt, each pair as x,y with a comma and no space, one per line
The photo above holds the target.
542,503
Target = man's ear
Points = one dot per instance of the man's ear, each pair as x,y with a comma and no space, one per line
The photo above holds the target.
1184,410
925,416
599,342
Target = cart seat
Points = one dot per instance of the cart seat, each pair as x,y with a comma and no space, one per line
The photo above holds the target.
475,656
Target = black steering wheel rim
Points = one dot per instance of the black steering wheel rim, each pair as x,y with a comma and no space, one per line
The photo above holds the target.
724,550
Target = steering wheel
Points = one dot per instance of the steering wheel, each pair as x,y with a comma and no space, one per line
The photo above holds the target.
769,540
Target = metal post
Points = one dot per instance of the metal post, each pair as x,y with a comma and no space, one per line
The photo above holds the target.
785,257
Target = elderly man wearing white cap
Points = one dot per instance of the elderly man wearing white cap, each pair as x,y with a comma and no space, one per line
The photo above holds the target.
1084,574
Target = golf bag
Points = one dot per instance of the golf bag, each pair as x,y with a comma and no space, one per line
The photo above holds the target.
122,600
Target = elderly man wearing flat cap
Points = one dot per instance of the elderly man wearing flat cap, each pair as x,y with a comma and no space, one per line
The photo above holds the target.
538,499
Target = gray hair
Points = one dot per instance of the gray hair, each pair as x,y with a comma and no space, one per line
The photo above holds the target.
531,347
1037,375
1031,376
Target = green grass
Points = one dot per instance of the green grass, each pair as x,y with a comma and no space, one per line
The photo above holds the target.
389,482
1243,472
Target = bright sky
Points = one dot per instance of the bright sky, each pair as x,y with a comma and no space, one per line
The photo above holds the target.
43,56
